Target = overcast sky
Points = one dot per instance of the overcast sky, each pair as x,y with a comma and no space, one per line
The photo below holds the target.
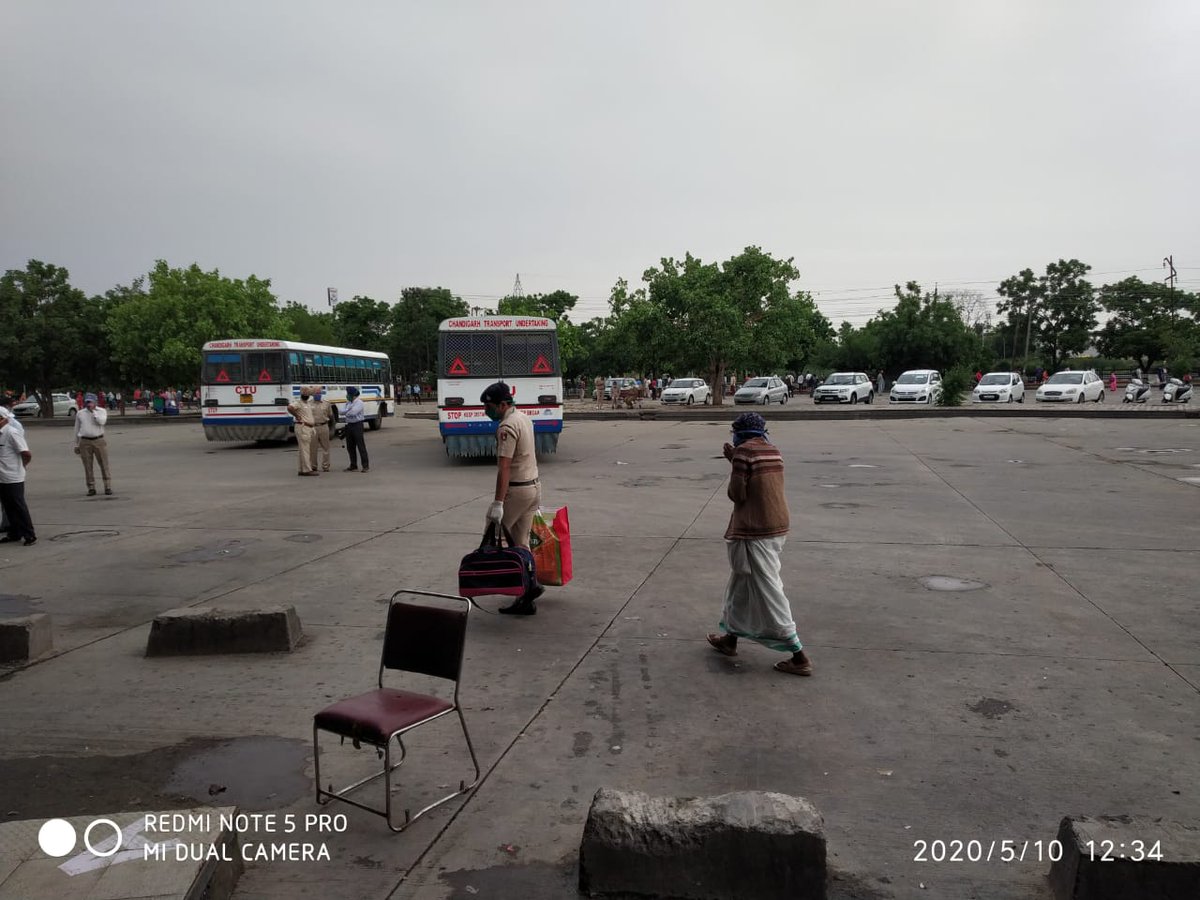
373,146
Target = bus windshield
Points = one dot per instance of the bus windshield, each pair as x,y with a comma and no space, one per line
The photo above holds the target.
254,367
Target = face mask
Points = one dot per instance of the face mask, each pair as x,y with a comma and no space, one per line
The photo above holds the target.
304,396
493,413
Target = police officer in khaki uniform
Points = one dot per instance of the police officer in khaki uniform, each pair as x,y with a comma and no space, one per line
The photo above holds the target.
322,413
302,412
518,489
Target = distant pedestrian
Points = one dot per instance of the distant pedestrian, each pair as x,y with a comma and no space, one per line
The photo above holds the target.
756,607
322,413
90,444
416,392
880,383
598,391
6,405
302,412
1112,380
14,457
353,414
978,376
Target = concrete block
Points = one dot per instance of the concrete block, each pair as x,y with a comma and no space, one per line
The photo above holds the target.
204,630
25,638
748,844
1100,859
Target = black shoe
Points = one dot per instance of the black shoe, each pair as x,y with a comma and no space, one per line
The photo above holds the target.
8,539
351,469
108,492
29,542
91,492
522,607
534,592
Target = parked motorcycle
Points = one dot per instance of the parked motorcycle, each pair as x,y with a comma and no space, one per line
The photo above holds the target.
1177,391
1137,391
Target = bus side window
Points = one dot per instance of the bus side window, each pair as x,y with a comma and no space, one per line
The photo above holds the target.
310,368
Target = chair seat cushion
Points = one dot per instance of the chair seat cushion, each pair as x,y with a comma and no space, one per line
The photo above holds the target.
376,715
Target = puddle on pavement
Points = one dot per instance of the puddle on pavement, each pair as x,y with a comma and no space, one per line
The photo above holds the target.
220,550
17,605
38,787
841,505
91,534
251,773
949,583
304,538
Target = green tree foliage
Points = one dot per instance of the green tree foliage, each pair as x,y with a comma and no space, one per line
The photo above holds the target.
52,332
302,324
156,335
709,317
362,324
922,331
1150,323
554,305
1059,308
413,336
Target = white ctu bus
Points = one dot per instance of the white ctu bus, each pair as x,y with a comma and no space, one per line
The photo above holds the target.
246,385
475,351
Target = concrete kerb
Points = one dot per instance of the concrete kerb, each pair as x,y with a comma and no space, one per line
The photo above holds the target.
782,413
202,630
25,638
1116,857
736,846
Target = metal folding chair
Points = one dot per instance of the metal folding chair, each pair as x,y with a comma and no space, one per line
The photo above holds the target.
419,638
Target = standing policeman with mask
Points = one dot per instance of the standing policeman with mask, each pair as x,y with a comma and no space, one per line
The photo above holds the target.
322,413
518,490
302,412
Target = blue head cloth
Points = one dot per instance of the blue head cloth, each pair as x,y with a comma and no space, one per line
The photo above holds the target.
351,392
746,426
89,398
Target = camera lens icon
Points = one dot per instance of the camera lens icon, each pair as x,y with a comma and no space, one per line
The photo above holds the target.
57,838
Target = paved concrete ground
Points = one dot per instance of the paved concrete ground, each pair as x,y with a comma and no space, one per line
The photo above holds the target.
1067,683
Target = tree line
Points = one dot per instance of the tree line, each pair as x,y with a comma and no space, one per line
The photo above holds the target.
686,317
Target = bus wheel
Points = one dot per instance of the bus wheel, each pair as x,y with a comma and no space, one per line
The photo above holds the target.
376,423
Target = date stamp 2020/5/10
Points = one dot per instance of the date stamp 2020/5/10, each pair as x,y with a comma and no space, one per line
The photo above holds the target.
1008,850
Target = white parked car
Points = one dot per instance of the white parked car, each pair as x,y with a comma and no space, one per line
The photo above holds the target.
762,390
687,391
1071,386
845,387
999,387
63,406
917,386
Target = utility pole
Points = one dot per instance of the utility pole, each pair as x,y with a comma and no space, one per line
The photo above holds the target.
1028,329
517,290
1169,265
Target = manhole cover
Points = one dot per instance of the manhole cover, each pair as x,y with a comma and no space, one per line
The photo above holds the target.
949,583
70,536
304,538
223,550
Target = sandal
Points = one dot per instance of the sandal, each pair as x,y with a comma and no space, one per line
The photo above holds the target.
790,668
718,643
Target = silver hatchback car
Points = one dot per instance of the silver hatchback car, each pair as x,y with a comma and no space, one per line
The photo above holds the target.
762,391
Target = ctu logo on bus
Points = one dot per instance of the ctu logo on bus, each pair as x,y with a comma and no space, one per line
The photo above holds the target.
246,389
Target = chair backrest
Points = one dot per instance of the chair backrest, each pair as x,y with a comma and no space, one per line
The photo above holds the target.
425,639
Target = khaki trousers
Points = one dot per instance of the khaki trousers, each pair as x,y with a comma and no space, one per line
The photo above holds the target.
92,452
519,507
304,446
321,446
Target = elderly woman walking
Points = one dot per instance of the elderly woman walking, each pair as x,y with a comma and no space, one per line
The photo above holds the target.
756,607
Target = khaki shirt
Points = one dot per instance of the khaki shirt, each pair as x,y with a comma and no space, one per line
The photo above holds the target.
322,411
514,440
302,410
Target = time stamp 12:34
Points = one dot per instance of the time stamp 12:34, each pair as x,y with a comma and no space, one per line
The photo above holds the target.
1009,851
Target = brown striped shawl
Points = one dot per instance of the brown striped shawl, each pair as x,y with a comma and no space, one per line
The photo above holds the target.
756,489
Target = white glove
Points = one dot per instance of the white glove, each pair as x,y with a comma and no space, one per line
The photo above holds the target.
495,512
